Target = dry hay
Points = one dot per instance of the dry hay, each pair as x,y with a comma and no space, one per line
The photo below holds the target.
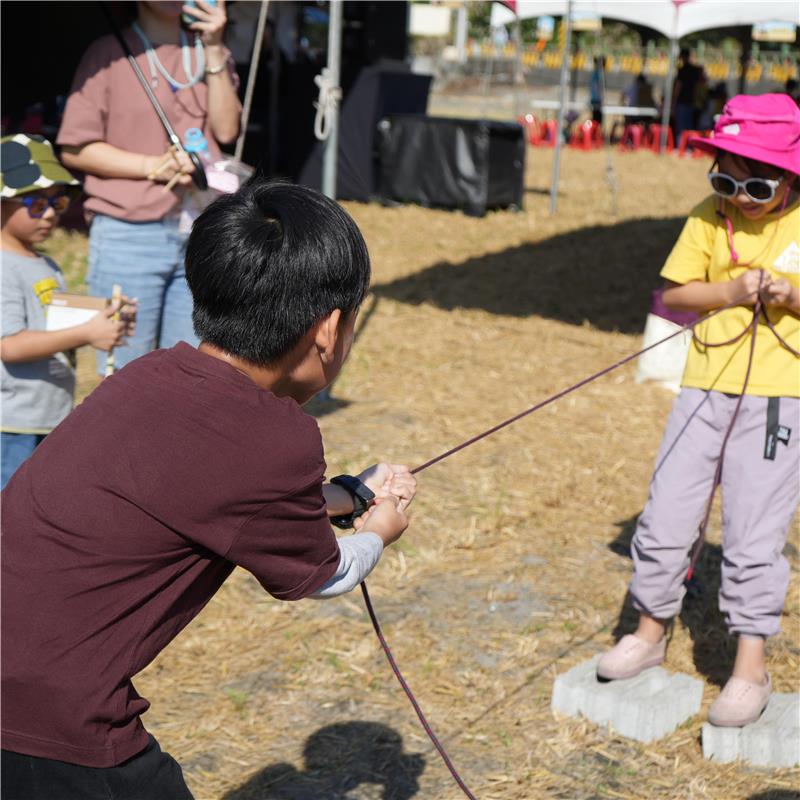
515,566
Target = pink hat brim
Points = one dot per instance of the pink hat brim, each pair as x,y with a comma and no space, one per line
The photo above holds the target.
787,160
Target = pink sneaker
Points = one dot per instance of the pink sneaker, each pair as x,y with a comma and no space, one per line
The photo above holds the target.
629,656
739,703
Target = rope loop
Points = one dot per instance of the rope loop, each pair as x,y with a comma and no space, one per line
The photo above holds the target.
330,95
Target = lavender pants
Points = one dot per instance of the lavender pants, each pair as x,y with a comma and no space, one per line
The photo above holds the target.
759,498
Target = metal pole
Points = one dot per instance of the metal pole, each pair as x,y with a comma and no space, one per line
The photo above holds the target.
667,109
562,103
251,78
330,158
461,33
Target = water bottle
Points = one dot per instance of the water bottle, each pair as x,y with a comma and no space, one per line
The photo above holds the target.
195,142
194,201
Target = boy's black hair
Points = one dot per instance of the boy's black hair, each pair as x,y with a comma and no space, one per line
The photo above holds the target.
266,263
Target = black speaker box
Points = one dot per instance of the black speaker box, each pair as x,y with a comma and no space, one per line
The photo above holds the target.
467,164
378,91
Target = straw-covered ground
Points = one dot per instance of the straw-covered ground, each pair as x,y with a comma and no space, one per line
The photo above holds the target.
515,566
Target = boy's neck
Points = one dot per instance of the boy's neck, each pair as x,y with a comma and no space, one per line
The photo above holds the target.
264,377
10,244
283,379
159,30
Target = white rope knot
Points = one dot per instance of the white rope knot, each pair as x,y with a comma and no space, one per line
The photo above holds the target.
329,97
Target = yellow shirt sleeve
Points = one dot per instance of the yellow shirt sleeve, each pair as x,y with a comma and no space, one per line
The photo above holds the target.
691,256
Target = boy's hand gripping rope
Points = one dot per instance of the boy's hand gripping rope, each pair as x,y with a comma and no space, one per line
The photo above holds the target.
758,311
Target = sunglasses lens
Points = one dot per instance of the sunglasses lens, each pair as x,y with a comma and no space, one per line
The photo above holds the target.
723,185
38,206
758,189
61,203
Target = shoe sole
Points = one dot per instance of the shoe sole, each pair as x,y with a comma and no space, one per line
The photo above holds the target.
631,673
739,723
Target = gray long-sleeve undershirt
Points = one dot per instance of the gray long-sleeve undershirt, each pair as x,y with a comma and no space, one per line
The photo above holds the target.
359,554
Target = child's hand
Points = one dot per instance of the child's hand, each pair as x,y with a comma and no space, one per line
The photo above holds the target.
777,293
127,313
390,480
386,519
103,331
744,289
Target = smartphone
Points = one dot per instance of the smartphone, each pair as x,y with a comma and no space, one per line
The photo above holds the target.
188,20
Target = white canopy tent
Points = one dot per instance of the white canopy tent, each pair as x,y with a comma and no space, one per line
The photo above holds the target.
673,18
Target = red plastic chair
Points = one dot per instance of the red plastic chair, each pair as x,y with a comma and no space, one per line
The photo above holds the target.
683,143
549,133
532,128
654,139
632,136
587,136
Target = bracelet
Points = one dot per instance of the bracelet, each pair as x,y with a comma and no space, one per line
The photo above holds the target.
216,70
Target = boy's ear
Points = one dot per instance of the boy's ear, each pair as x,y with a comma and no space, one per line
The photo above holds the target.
327,335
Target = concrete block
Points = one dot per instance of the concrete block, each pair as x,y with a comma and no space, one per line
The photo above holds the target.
773,740
645,708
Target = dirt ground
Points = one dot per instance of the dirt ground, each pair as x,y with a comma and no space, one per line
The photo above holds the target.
515,566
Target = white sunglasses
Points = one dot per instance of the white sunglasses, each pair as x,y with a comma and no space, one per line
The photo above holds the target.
759,190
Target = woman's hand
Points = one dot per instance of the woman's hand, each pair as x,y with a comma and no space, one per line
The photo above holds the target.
210,23
163,168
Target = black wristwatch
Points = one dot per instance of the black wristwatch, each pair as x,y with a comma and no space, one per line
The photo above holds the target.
362,497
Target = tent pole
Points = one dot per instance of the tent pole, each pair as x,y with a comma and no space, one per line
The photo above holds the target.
330,158
562,101
251,78
665,111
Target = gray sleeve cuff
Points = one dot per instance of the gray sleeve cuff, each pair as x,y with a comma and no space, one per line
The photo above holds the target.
359,554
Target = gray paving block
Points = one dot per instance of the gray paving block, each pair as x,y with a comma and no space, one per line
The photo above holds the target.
771,741
645,708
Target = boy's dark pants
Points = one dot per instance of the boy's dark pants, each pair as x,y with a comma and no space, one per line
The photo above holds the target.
150,775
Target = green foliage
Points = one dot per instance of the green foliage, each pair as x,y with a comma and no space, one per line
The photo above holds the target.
479,15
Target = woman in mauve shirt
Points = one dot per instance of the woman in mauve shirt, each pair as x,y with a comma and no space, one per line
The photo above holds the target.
111,132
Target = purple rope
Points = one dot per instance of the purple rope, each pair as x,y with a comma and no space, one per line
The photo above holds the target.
367,600
410,695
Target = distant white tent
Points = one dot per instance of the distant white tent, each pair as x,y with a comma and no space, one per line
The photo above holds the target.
673,18
691,16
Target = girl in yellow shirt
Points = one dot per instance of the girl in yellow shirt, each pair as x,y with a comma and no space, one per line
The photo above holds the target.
737,419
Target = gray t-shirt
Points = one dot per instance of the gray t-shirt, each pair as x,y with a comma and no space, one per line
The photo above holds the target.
36,395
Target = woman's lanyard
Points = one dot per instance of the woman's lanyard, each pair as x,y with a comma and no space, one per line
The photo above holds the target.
155,64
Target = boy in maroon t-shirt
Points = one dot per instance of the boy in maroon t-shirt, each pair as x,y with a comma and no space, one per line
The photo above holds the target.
128,518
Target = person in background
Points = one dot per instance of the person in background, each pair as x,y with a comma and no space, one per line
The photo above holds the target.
683,103
639,94
792,88
111,133
596,88
38,376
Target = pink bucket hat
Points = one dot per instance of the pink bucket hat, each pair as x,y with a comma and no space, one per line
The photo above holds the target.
764,127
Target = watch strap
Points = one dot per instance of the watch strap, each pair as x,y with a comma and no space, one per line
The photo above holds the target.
362,497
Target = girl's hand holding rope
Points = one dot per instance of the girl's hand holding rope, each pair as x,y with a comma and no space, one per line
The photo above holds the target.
780,293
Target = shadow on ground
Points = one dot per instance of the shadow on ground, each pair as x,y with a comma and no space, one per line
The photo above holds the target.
338,760
602,275
714,650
